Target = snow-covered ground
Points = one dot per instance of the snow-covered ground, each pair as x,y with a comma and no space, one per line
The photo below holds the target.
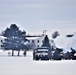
26,66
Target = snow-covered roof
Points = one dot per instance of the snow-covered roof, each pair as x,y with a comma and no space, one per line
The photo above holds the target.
34,38
2,37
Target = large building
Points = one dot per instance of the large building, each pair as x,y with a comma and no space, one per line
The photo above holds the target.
36,42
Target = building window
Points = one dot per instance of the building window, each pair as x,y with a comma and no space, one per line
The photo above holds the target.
37,45
32,41
38,41
1,40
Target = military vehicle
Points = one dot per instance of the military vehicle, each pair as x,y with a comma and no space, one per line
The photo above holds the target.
41,53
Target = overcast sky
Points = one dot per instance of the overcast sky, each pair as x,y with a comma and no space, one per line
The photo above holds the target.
34,16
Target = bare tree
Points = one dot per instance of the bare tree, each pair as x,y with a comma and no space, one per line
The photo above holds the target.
55,34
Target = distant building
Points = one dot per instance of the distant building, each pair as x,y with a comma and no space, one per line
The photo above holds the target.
35,42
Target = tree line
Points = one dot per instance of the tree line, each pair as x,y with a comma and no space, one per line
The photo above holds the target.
15,40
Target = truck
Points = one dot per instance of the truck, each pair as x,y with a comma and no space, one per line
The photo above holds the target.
41,53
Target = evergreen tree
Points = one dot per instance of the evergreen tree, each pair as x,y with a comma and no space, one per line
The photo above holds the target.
46,42
56,54
15,39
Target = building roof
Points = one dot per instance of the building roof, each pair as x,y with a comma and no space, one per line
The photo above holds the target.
2,37
34,38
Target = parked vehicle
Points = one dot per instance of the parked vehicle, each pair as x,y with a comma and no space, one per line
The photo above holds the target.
41,53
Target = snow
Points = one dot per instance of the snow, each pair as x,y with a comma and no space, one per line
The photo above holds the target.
27,66
62,42
66,43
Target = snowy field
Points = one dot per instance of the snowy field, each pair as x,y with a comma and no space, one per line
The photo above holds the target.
26,66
